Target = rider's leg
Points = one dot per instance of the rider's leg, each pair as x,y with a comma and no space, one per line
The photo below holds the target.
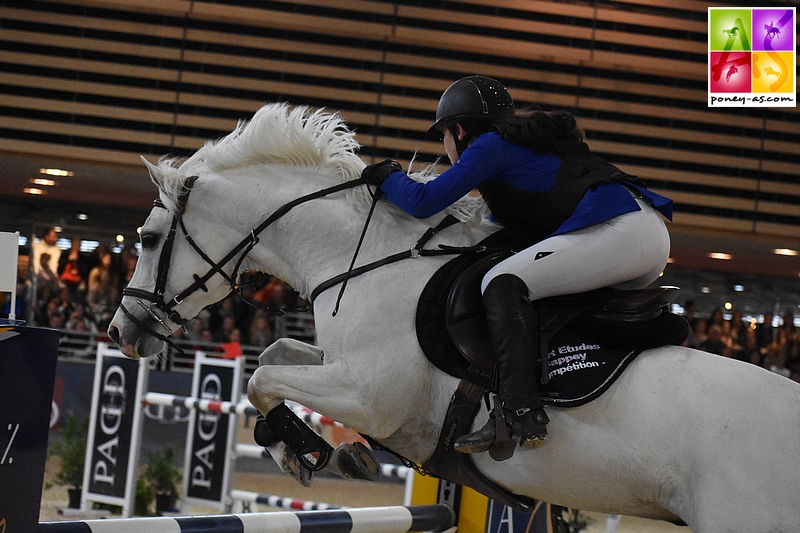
628,252
513,328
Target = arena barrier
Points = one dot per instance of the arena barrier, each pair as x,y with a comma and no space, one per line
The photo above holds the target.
367,519
116,421
115,425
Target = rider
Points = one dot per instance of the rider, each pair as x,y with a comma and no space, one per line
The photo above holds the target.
580,223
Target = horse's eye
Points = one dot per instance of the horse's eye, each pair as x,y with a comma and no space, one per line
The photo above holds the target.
149,240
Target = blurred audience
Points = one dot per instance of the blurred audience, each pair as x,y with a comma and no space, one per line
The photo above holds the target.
81,295
46,244
761,344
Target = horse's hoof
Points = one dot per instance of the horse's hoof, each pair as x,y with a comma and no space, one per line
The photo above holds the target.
356,461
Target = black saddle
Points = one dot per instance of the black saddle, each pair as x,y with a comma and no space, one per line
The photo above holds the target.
466,322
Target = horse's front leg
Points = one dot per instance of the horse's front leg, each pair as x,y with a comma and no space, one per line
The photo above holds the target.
329,389
286,351
281,427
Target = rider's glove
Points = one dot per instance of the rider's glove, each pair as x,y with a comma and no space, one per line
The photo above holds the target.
376,173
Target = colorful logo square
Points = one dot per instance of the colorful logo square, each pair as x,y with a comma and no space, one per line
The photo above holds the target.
772,72
772,29
731,72
729,29
751,57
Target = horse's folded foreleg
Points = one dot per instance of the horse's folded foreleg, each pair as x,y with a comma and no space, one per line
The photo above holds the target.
300,451
287,351
349,460
330,389
324,388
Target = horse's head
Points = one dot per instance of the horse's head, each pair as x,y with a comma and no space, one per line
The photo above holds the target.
174,277
190,257
210,216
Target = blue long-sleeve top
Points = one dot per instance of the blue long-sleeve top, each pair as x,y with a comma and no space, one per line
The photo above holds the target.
491,157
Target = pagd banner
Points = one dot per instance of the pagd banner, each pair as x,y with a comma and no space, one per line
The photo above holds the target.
751,57
115,426
212,433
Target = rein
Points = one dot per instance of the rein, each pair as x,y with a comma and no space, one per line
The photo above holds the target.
416,251
246,245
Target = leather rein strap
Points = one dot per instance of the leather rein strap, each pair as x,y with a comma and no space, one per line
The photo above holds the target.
416,251
246,245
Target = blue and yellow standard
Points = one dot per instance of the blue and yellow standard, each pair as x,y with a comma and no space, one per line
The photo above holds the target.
475,512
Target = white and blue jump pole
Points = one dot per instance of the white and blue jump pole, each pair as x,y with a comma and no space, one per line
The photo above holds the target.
396,519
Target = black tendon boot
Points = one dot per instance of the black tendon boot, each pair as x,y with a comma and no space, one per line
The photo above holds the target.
518,416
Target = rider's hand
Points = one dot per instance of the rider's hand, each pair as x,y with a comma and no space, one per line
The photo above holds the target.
376,173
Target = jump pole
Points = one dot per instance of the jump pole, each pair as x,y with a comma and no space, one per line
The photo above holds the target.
279,502
397,519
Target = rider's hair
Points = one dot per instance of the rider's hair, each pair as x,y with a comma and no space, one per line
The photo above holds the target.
536,129
530,127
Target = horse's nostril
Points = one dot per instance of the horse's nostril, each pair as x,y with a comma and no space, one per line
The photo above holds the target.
113,334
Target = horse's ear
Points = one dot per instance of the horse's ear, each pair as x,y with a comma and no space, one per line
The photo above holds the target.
155,174
158,178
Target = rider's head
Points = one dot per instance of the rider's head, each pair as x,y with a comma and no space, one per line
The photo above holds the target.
468,107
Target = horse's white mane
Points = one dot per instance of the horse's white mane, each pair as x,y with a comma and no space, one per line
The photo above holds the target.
297,136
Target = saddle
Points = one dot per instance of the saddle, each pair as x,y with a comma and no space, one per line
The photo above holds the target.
466,322
615,326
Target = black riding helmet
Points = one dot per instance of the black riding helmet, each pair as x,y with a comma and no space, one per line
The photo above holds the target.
473,97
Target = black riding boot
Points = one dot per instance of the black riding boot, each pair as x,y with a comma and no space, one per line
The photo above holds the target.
513,329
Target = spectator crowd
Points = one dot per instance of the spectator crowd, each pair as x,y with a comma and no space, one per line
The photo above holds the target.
774,348
80,291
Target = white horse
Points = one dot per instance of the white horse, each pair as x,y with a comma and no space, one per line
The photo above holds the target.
682,435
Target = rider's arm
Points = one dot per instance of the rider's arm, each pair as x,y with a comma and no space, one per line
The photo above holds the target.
488,157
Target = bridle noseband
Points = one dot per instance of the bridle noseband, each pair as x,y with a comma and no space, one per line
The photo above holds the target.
245,246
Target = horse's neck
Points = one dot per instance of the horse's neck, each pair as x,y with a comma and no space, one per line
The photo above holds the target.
316,240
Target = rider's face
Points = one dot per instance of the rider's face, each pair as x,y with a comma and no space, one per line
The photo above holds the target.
450,143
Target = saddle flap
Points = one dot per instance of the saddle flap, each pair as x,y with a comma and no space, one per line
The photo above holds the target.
465,318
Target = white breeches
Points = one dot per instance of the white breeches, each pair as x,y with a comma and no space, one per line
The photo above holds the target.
626,252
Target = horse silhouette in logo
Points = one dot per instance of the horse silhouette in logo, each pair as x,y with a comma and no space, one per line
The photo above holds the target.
731,71
769,71
731,32
772,31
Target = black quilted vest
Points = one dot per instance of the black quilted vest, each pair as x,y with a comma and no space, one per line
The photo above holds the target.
537,215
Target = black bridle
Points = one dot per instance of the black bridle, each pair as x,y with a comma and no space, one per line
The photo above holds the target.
167,307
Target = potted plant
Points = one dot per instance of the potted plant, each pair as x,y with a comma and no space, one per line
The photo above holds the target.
71,448
143,499
163,478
